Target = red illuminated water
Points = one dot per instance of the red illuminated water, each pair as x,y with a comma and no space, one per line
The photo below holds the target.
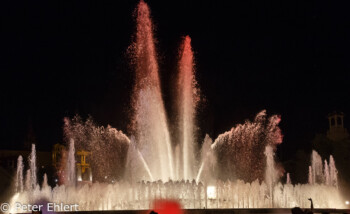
187,99
149,120
237,170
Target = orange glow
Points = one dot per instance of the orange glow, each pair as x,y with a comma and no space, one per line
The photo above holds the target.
167,206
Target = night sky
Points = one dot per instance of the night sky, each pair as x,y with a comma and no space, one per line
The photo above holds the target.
62,58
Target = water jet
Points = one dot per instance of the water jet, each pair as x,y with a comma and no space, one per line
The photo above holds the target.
236,170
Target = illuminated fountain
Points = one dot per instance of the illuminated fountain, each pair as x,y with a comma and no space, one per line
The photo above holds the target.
187,101
236,170
149,119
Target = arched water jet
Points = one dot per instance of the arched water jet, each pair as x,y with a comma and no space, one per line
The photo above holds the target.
242,148
134,157
208,158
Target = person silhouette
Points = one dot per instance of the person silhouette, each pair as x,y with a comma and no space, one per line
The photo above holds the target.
312,204
311,211
298,210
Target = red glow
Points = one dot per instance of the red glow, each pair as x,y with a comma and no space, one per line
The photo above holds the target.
167,206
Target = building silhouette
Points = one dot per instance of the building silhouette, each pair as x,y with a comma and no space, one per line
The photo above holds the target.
336,131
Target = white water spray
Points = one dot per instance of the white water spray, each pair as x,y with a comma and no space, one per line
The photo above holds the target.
19,174
70,172
33,170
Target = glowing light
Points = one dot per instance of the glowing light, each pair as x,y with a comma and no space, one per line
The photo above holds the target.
13,201
347,202
211,192
167,207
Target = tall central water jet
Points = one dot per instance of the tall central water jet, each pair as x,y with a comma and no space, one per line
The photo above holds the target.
32,160
149,121
187,101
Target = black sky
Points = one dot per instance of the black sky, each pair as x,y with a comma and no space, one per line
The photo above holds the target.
64,58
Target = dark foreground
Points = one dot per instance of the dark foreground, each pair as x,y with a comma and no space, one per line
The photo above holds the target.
216,211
